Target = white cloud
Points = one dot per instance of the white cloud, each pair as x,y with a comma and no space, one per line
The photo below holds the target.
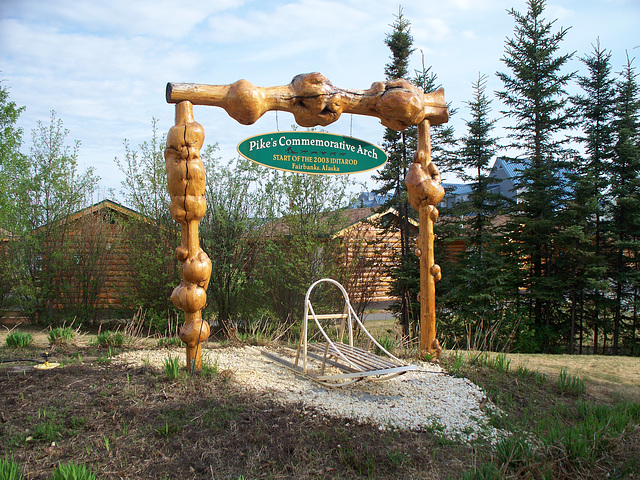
158,18
103,66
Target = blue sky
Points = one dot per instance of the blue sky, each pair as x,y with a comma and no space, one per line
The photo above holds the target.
103,66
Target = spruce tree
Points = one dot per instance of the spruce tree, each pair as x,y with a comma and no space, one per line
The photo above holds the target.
625,193
476,287
591,181
400,155
535,99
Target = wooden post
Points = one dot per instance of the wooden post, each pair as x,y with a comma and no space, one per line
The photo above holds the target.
425,192
185,179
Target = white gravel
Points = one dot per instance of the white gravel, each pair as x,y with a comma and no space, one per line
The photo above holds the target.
425,399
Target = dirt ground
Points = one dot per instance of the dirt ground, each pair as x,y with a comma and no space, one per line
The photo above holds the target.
133,423
136,424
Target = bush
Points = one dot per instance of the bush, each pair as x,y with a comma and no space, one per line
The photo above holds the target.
19,340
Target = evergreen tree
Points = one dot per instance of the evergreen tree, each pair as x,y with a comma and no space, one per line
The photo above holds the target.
478,148
591,182
535,98
476,287
400,155
625,193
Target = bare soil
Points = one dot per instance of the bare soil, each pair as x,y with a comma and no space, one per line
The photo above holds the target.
136,424
133,423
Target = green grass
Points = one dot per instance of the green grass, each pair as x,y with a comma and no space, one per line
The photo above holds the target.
10,469
49,426
554,431
172,367
525,374
61,335
501,364
486,471
216,418
72,471
387,343
569,384
112,339
209,367
19,340
169,342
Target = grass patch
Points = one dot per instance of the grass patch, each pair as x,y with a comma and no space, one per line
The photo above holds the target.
569,384
112,339
72,471
555,432
10,469
61,335
209,367
169,342
386,342
171,367
19,340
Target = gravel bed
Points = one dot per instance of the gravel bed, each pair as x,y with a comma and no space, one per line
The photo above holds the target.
425,399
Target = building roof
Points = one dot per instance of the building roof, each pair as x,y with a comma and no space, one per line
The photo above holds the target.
457,188
108,204
511,166
336,223
370,200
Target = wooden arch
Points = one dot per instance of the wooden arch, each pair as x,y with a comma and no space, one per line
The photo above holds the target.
313,101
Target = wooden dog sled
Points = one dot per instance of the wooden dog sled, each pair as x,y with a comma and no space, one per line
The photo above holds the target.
334,362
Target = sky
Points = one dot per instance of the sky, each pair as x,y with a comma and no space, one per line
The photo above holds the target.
103,66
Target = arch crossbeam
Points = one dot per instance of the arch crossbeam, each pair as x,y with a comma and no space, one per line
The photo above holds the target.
313,101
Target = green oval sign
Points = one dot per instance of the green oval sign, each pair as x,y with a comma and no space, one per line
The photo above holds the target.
312,152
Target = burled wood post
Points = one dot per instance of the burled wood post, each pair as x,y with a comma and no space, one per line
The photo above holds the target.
186,183
425,192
